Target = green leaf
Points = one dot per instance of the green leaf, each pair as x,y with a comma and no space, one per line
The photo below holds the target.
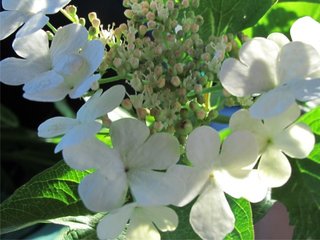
301,196
243,229
243,226
281,17
221,16
49,195
312,119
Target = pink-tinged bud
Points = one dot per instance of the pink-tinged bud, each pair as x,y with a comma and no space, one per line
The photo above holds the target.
185,3
126,104
128,13
201,114
117,62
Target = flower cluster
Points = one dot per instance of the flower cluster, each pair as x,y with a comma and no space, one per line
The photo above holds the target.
165,153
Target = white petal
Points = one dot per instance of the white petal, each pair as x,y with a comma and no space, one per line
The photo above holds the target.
141,228
306,30
159,152
297,61
255,72
240,183
297,141
153,188
68,39
128,134
93,153
33,24
43,82
27,71
279,38
35,45
305,90
211,216
112,225
78,134
82,87
203,145
164,218
101,105
239,151
50,95
193,179
10,21
274,168
242,120
56,126
272,103
34,6
100,194
93,52
277,124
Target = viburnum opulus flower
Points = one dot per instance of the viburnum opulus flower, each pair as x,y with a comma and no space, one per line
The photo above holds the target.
49,74
144,222
85,125
217,169
31,13
281,71
277,137
305,29
136,161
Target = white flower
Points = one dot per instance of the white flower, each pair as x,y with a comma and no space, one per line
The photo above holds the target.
281,73
216,172
136,161
144,222
50,74
276,136
305,29
31,13
85,125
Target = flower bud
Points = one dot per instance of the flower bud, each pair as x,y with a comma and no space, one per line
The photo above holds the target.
92,15
201,114
72,10
126,104
82,21
117,62
185,3
129,13
175,81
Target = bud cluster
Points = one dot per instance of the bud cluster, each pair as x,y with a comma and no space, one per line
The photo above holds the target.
167,63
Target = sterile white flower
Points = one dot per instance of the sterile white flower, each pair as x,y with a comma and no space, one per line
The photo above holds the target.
49,74
136,161
31,13
282,73
305,29
144,222
227,170
85,124
276,136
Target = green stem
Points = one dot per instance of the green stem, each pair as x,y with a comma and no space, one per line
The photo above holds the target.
112,79
67,15
64,108
52,28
